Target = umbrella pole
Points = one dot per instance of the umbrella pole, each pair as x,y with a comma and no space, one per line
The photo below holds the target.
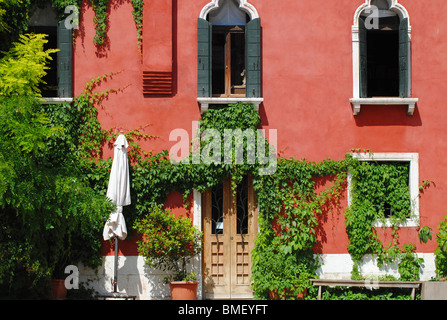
115,276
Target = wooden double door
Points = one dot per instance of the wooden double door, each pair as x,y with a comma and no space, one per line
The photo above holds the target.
230,227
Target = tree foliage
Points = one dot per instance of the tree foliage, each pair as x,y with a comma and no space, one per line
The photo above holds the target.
50,213
23,66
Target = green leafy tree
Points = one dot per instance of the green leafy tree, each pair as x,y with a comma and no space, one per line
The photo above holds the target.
23,66
51,215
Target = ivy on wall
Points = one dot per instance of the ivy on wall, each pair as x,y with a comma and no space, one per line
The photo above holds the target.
100,20
137,13
16,21
290,208
379,192
283,259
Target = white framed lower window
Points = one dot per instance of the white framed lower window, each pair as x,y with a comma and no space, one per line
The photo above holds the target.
413,183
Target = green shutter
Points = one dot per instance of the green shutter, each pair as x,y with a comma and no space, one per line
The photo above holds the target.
404,61
204,58
363,60
253,59
64,61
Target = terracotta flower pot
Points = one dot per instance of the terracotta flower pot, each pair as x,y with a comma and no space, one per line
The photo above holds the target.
58,289
183,290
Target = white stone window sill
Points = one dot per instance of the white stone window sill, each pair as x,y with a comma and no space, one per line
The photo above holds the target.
206,101
359,102
56,100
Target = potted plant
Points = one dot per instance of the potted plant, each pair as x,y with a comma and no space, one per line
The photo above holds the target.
168,244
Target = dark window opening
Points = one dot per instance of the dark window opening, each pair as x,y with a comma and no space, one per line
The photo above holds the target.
217,209
219,40
387,212
242,206
383,63
228,61
238,63
50,86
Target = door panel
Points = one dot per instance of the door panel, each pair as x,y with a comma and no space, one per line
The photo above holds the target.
216,250
230,226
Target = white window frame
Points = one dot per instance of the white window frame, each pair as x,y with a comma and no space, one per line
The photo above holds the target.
46,100
206,101
358,102
244,5
413,185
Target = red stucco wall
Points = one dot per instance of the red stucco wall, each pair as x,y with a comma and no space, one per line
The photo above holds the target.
307,84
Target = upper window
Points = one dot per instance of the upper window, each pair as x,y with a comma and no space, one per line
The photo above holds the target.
382,56
229,50
382,59
58,80
228,61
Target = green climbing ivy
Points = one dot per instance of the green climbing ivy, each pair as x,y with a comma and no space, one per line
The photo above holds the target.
137,13
290,208
15,22
289,212
289,205
100,20
379,193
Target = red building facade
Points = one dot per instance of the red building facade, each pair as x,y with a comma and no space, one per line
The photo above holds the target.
303,65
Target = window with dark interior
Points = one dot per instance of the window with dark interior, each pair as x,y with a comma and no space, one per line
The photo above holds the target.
229,53
384,54
228,61
58,80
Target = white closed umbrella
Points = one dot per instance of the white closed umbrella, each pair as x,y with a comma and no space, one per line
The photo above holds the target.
118,191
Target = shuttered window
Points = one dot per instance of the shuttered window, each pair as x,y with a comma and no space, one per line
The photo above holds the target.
252,58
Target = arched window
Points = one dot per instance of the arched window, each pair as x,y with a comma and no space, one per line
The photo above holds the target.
381,37
229,50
